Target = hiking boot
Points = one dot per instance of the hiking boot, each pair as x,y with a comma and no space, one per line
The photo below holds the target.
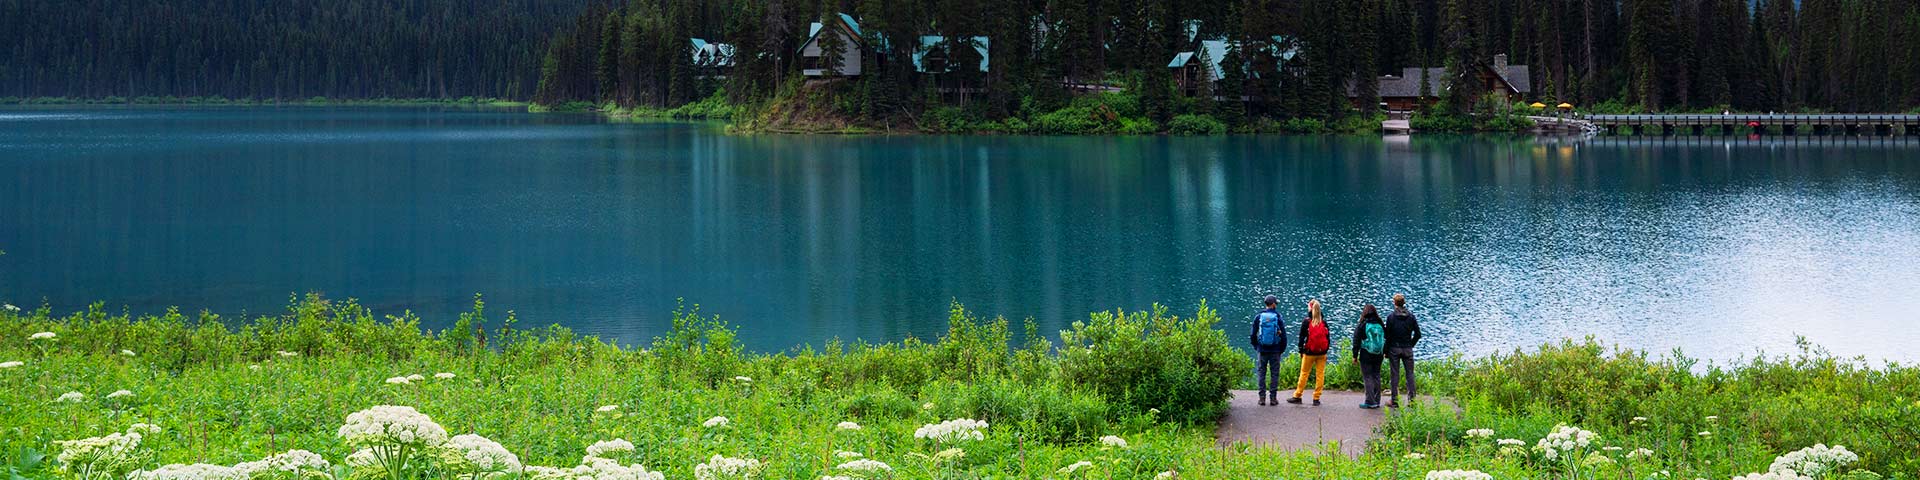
1294,400
1263,399
1393,404
1316,402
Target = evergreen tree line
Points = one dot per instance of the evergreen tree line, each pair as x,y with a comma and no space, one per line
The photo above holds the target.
1650,55
277,49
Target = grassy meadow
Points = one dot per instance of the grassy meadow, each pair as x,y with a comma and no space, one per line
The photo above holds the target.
1121,395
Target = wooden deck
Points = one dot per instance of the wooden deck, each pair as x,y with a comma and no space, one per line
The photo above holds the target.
1777,124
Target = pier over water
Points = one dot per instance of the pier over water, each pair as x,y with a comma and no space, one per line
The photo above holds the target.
1765,124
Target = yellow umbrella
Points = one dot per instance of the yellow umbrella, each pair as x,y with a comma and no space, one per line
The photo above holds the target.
1566,106
1538,105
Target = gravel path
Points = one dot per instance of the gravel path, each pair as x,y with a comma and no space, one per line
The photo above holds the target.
1339,418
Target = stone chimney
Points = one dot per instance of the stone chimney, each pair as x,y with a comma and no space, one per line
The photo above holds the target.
1500,62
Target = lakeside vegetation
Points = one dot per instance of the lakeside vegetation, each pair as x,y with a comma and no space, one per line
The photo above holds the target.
245,102
1119,395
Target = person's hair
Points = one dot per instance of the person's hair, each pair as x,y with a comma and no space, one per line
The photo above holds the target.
1369,314
1313,311
1271,302
1399,300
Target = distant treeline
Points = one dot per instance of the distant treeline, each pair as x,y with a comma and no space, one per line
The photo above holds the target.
1647,55
276,49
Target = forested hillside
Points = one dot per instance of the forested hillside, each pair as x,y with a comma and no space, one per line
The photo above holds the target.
276,49
1650,55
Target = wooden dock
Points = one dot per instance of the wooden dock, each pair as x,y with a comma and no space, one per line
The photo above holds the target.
1765,124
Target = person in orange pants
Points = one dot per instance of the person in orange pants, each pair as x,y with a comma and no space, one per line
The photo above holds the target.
1313,353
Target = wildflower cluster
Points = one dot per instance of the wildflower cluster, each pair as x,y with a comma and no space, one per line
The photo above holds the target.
1480,433
197,471
389,424
1814,461
847,426
1780,475
726,468
1458,475
609,448
290,464
111,455
1564,441
480,455
953,430
1075,467
717,422
1113,441
593,468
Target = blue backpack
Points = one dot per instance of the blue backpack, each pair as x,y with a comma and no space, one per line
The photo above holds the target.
1269,325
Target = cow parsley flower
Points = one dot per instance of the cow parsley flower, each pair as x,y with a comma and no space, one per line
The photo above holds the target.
399,381
606,408
1480,433
416,377
1167,475
42,336
1640,452
847,426
444,375
1704,434
1512,442
84,454
1458,475
128,353
726,468
1564,441
478,454
865,466
1113,441
71,397
391,425
952,430
926,406
146,428
1596,459
292,462
1075,467
1637,421
600,468
1416,456
1779,475
949,454
119,394
1814,461
11,364
610,447
198,471
843,454
717,422
286,354
1713,418
743,379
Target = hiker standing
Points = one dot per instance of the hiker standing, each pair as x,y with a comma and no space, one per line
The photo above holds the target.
1369,348
1269,339
1403,331
1313,353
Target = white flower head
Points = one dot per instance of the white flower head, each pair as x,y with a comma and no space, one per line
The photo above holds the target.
286,354
42,336
1167,475
1480,433
399,381
926,406
109,449
295,463
1640,452
128,353
843,455
953,430
606,408
1458,475
1075,467
11,364
120,394
847,426
1637,420
254,367
717,422
1511,442
1416,456
1113,441
71,397
726,468
1705,433
1565,441
391,424
481,455
12,308
867,466
1814,461
444,375
609,448
416,377
743,379
197,471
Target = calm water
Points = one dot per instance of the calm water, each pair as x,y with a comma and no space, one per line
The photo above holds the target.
1723,247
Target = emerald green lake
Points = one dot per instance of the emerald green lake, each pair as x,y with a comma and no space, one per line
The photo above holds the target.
1721,246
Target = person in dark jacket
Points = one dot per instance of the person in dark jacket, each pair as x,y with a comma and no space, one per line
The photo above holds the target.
1369,361
1314,343
1267,369
1403,332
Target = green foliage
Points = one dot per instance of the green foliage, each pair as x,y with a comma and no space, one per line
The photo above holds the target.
1149,360
1196,125
1075,120
1302,125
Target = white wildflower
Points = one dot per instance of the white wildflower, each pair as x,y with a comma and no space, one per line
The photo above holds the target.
949,454
42,336
1780,475
1611,448
363,458
254,367
1637,420
866,466
128,353
481,455
1075,467
416,377
147,428
716,422
721,467
952,430
743,379
926,406
119,394
1713,418
84,453
198,471
284,353
444,375
12,308
1458,475
1167,475
11,364
847,426
1480,433
399,381
1416,456
1512,442
843,455
292,462
606,408
1640,452
595,468
1596,459
1565,441
1814,461
390,424
1113,441
1705,434
607,448
71,397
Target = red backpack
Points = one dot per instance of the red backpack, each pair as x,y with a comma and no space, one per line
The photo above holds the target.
1317,337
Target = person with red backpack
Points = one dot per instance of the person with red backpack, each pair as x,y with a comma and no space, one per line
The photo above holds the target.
1269,339
1313,353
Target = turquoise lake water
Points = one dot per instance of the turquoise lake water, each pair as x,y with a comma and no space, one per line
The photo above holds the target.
1720,246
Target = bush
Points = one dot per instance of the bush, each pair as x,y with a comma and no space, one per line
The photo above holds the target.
1144,361
1435,122
1303,125
1196,125
1074,121
1138,126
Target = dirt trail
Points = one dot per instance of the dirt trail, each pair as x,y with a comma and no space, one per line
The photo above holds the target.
1339,418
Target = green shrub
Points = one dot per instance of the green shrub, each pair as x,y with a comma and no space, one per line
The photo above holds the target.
1074,121
1144,361
1435,122
1138,126
1196,125
1302,125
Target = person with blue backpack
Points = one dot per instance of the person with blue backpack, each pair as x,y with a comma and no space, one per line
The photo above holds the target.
1369,350
1269,338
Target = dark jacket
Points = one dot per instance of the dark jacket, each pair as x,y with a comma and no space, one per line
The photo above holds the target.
1303,339
1360,335
1253,334
1403,331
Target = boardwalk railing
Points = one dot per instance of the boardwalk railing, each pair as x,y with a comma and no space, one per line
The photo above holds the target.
1705,124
